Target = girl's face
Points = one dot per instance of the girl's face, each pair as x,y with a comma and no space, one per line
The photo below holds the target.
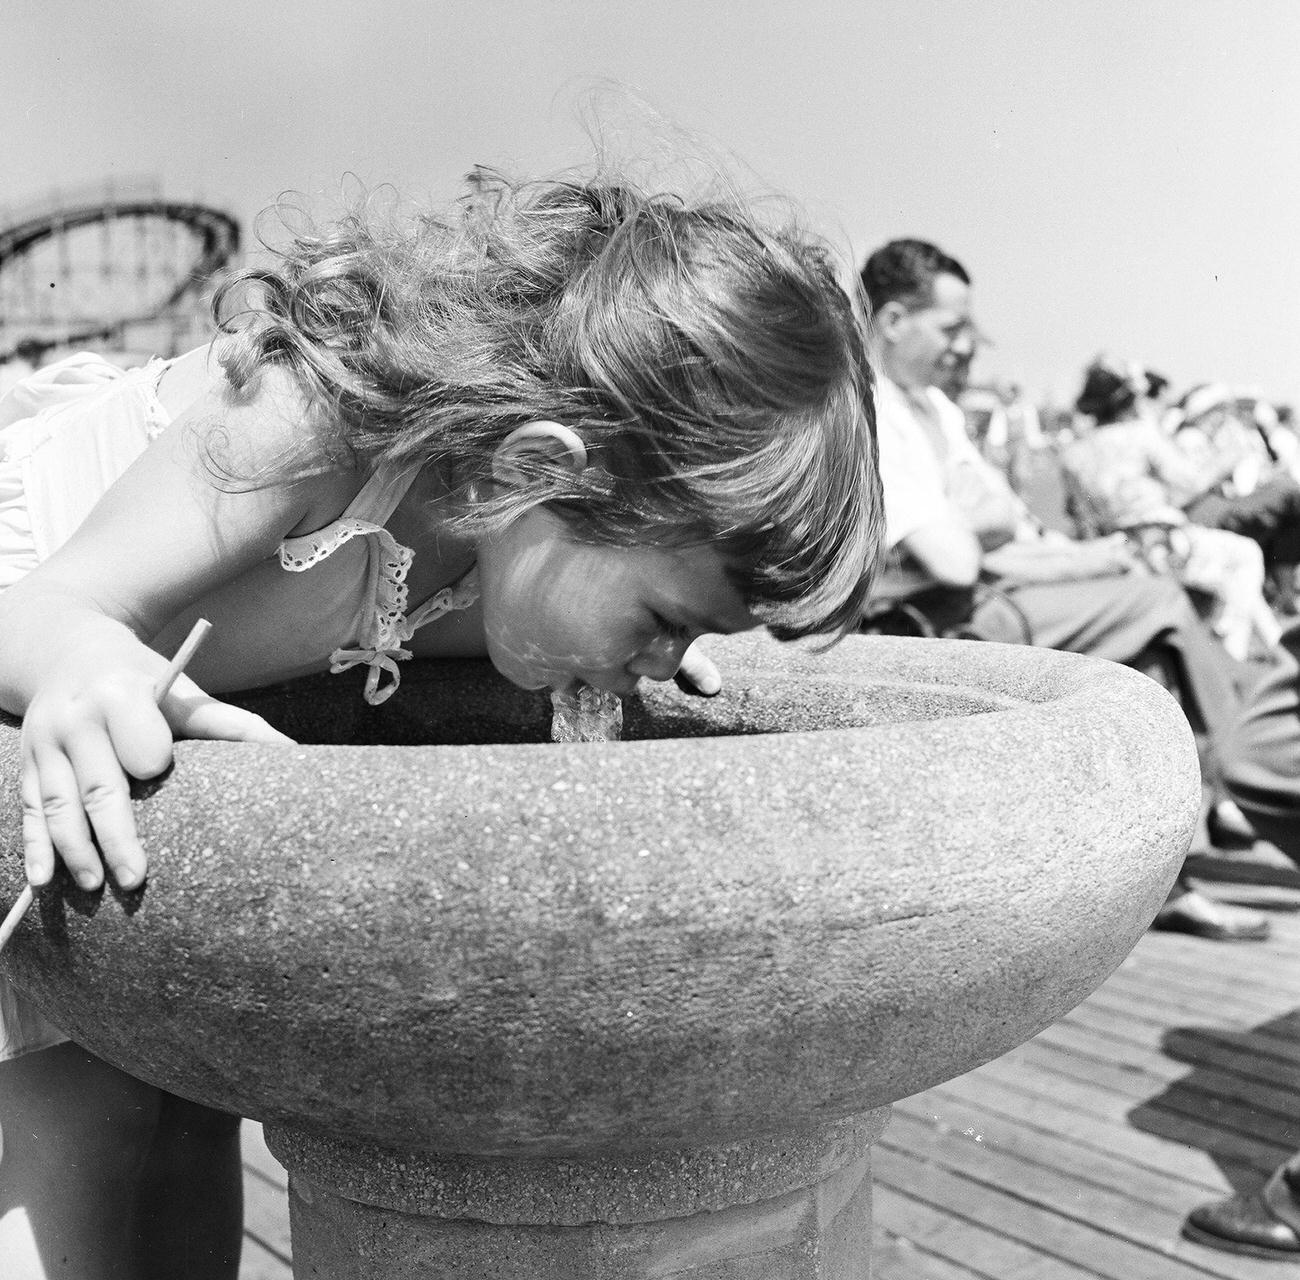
556,611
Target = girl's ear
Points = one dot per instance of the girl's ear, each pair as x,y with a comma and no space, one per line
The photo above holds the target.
555,442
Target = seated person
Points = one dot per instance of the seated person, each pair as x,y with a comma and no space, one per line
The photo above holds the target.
952,520
1125,475
1260,497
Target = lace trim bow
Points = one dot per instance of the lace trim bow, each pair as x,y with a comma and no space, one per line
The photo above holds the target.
396,627
390,626
379,661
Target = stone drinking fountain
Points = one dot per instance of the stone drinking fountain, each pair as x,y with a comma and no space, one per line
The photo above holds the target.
513,1009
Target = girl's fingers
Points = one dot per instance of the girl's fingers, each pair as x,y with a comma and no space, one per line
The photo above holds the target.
54,819
38,851
77,806
193,714
697,673
141,739
76,791
104,795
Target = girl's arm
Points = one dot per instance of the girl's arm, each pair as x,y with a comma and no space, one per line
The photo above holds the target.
73,661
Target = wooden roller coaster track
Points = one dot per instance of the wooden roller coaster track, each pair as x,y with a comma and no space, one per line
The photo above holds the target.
84,270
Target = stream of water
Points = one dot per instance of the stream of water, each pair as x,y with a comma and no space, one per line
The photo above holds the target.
583,714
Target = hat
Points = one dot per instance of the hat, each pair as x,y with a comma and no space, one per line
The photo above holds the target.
1107,392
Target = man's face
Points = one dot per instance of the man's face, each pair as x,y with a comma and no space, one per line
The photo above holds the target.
926,345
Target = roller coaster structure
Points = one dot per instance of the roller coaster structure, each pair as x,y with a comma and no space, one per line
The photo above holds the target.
84,271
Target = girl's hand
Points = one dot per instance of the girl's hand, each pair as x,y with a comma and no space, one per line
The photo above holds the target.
81,740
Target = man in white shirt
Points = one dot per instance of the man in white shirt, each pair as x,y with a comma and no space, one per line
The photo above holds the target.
952,520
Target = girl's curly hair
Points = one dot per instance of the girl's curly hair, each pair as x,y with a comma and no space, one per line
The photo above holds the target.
713,366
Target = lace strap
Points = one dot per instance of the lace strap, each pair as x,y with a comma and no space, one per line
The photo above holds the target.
299,554
461,594
377,499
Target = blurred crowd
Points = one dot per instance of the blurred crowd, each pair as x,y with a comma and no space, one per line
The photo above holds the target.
1157,530
1147,525
1204,484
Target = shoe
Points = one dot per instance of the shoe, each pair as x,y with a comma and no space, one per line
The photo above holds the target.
1242,1224
1202,917
1228,828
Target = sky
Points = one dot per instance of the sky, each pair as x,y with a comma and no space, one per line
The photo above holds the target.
1116,175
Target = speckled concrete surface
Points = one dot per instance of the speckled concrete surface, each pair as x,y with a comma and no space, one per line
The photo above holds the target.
524,948
821,1232
627,1187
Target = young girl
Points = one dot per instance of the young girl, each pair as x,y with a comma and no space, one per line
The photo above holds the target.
573,427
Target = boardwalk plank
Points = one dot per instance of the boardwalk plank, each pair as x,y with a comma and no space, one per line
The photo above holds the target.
1016,1238
1147,997
266,1218
1274,1108
257,1263
1147,1002
1198,1173
1104,1121
1180,965
1106,1091
1169,1053
1060,1191
257,1155
939,1233
1156,1187
1146,1042
894,1258
267,1251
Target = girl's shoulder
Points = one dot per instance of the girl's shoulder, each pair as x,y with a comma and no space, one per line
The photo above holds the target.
266,434
187,378
199,376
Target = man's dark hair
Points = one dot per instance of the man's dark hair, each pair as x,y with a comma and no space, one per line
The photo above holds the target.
904,271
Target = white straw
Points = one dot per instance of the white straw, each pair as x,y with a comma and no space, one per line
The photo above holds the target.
16,913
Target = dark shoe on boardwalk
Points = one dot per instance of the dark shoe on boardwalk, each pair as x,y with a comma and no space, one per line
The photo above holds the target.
1203,917
1252,1224
1228,828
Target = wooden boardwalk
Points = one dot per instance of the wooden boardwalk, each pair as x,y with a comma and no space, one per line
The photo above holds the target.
266,1253
1077,1155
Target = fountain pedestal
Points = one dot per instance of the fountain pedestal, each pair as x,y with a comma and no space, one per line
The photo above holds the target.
794,1208
619,1010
